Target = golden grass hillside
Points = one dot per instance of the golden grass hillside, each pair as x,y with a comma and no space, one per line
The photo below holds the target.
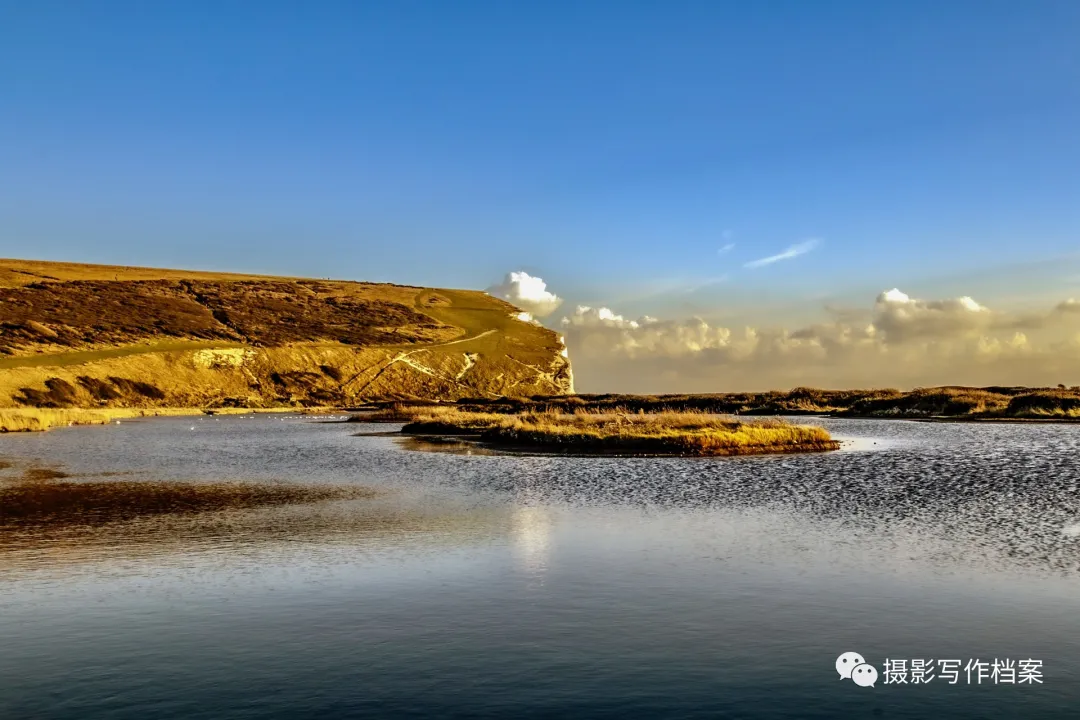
665,433
92,336
14,272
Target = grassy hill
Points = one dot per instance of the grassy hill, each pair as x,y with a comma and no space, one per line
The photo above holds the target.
86,336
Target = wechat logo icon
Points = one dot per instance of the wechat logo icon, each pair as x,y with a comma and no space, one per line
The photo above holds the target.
852,666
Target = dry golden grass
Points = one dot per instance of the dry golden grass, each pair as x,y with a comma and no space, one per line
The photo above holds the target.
37,419
1049,413
304,342
393,412
998,402
680,433
15,272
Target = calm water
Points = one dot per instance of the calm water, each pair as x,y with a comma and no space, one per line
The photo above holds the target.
507,586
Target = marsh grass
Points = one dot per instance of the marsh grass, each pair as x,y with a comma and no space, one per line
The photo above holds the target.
37,419
392,412
995,402
1050,403
676,433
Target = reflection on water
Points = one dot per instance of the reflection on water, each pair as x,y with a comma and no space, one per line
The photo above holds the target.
488,585
532,535
243,536
41,498
448,445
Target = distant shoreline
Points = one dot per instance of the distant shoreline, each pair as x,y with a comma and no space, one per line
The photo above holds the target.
999,404
13,420
943,404
962,419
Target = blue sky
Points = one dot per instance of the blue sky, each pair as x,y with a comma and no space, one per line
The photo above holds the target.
612,148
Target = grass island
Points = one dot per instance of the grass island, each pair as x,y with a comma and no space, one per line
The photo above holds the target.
660,433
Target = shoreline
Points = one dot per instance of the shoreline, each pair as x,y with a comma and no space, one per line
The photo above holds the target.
19,420
374,415
16,420
954,419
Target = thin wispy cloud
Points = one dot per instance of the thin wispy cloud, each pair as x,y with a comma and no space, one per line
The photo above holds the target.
792,252
726,249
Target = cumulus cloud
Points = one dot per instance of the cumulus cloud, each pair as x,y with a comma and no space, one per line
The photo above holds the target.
901,317
585,317
528,293
792,252
901,342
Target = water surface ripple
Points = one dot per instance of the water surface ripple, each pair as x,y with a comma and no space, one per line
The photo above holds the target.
479,585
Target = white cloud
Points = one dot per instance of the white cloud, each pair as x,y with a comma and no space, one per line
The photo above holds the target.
893,296
900,316
792,252
585,316
528,293
902,341
726,248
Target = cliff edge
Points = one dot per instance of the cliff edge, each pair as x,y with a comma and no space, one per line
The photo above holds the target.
74,335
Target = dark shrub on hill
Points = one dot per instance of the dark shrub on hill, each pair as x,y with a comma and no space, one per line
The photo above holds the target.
1045,402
